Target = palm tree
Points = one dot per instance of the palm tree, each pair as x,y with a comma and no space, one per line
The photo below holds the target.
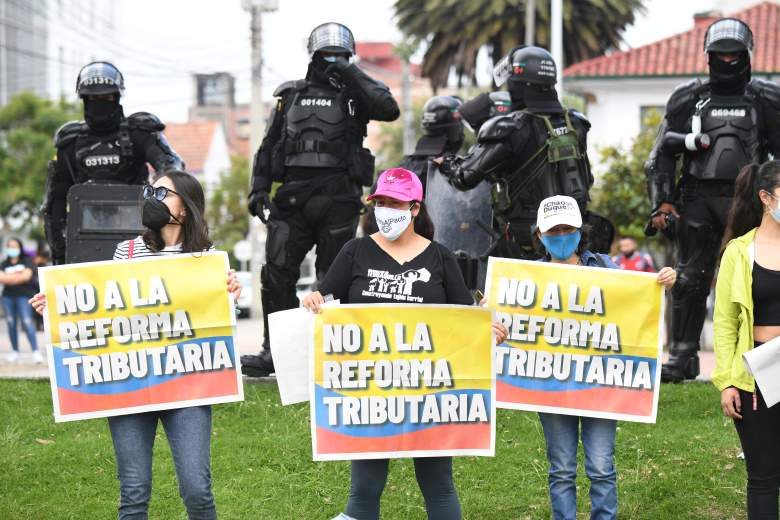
455,30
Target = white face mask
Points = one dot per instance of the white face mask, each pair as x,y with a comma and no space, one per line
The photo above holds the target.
392,222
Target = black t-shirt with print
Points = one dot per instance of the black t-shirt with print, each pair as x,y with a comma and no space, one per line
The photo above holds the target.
27,289
364,273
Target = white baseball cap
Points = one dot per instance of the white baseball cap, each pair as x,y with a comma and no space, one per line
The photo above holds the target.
557,210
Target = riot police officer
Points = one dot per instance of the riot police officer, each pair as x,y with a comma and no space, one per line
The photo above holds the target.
537,150
442,134
718,126
106,147
314,147
477,110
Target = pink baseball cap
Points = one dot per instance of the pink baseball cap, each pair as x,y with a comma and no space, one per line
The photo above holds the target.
399,184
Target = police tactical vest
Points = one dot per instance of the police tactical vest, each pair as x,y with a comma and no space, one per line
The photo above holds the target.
106,157
558,167
320,128
732,125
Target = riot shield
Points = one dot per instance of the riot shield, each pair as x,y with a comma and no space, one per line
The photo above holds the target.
463,220
99,217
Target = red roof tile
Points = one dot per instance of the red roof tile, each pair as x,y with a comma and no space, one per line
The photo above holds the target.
682,54
191,141
379,57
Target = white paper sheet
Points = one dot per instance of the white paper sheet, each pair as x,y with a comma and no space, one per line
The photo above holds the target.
764,363
290,333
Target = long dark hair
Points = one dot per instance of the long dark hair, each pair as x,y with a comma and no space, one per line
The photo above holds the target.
18,240
747,210
195,229
423,225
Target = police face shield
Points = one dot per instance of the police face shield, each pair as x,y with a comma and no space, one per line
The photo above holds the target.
503,70
100,78
331,38
728,35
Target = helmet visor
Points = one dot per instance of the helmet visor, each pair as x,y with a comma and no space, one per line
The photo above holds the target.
503,70
331,37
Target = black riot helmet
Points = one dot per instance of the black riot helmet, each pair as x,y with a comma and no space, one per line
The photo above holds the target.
331,37
487,105
527,64
441,116
728,36
530,74
98,78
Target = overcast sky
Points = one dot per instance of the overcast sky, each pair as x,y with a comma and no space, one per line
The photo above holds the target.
172,39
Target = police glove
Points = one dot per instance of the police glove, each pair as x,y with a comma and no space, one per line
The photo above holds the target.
260,205
337,71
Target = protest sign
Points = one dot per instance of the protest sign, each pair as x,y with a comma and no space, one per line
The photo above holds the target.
582,340
140,335
400,380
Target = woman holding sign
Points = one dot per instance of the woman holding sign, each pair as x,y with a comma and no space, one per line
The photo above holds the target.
369,270
747,314
561,237
173,215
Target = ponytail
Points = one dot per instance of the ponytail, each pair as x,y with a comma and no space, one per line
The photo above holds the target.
747,210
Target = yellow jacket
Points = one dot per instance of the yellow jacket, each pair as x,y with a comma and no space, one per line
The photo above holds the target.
734,314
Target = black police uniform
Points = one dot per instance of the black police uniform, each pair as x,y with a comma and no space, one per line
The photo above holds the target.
112,150
741,120
513,153
313,147
442,134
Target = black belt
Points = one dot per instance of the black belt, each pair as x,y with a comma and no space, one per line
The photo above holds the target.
309,146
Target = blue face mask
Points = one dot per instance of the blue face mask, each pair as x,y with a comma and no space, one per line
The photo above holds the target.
561,247
775,213
330,59
12,252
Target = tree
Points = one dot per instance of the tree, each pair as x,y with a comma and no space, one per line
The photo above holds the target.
455,30
227,213
27,126
620,193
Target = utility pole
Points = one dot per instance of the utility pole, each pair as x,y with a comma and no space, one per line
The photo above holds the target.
556,40
530,22
404,51
257,126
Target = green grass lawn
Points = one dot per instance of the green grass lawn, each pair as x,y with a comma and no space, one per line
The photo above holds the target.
684,467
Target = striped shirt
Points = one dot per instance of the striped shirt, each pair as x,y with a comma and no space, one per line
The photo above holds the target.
140,250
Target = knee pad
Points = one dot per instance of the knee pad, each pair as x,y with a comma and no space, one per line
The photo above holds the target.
278,233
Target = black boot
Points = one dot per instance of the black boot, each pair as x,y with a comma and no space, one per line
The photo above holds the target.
683,363
261,365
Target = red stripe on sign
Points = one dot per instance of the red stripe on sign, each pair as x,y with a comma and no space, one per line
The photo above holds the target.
191,386
604,399
446,437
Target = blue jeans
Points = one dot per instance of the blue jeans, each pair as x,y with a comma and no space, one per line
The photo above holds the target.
434,476
561,432
189,435
16,307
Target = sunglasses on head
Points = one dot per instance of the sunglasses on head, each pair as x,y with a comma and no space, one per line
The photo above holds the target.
158,193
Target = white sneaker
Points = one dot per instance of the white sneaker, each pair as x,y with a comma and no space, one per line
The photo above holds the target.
12,357
37,358
343,516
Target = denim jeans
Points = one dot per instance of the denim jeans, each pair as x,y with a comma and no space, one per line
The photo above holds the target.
561,432
16,308
434,476
189,436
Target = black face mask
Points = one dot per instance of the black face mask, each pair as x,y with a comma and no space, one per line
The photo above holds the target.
516,90
102,115
155,215
729,77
